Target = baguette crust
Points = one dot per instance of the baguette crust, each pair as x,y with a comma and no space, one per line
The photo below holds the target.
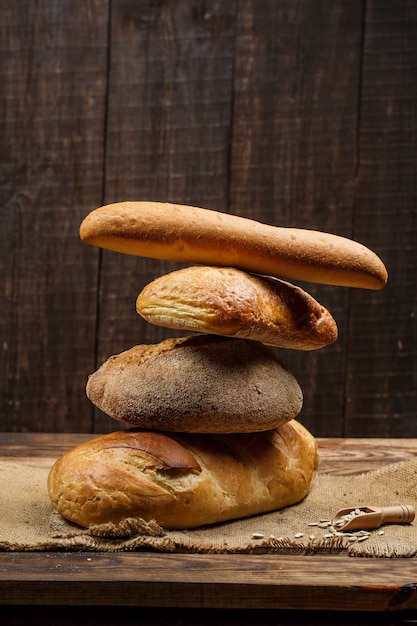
197,384
201,236
183,481
229,302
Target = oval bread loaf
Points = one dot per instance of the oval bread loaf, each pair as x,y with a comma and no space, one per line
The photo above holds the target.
227,301
183,481
201,236
197,384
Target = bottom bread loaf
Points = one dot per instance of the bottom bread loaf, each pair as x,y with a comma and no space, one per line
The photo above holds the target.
183,480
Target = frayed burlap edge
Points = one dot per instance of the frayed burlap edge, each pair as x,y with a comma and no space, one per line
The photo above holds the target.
33,525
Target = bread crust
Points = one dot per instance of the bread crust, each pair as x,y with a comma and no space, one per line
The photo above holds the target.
201,236
197,384
233,303
220,477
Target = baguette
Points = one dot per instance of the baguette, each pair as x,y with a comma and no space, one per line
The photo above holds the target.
202,236
183,481
227,301
197,384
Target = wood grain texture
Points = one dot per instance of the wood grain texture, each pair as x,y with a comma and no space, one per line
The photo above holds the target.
245,588
294,152
169,118
382,349
212,582
295,113
52,70
342,456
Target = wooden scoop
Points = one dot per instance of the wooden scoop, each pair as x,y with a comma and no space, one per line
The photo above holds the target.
363,517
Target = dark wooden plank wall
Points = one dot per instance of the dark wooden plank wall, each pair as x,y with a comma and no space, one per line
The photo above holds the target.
53,69
297,113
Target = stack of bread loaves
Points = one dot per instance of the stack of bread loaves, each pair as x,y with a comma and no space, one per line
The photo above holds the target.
212,431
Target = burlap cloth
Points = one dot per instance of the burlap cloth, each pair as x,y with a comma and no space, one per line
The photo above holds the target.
29,523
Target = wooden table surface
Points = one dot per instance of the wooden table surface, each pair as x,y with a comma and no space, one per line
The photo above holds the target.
170,582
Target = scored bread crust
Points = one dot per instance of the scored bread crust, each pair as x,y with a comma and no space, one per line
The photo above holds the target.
183,481
202,236
233,303
201,383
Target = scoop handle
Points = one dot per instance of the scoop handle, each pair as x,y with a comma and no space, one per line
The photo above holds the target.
399,514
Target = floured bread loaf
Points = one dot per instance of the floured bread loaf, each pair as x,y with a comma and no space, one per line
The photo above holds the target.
201,383
183,481
227,301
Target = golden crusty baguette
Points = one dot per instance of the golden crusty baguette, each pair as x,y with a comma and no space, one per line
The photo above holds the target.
183,481
201,236
201,383
227,301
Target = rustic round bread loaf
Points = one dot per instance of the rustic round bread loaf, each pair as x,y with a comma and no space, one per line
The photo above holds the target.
201,383
183,480
227,301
